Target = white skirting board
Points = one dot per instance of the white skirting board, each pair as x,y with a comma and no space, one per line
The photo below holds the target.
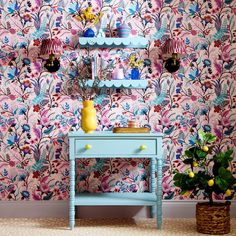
60,209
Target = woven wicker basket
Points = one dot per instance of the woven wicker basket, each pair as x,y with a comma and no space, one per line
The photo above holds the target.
213,219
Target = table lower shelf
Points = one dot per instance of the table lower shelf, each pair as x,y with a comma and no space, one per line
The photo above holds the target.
115,199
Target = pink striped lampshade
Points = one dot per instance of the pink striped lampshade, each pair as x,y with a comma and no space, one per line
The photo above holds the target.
51,46
175,45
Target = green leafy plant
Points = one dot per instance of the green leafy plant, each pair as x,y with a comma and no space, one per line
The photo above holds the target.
208,171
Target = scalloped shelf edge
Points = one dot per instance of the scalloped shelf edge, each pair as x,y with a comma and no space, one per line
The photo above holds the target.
100,42
130,84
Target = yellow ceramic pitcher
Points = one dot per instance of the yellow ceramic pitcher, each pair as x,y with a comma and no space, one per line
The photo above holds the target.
88,117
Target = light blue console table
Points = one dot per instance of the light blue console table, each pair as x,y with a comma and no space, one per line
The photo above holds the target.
117,145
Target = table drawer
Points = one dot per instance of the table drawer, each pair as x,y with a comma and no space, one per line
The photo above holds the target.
116,147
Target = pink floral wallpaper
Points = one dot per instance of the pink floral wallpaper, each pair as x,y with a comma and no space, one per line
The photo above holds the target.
36,112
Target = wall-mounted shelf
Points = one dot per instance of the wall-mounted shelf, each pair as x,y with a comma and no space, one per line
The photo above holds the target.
129,84
100,42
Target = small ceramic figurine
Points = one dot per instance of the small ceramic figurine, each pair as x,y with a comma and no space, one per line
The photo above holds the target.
101,33
101,28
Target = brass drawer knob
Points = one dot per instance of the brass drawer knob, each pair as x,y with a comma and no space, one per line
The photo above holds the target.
88,146
143,147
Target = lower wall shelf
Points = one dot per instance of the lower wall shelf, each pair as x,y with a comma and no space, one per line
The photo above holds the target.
115,199
124,83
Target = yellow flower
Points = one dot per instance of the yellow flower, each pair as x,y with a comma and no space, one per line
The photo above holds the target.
134,62
97,18
87,12
79,18
132,59
87,16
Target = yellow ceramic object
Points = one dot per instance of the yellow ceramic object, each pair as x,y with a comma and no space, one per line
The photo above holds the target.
88,117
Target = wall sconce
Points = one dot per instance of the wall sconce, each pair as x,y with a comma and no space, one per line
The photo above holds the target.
172,50
51,47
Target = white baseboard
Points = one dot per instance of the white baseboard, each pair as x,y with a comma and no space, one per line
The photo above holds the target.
34,209
60,209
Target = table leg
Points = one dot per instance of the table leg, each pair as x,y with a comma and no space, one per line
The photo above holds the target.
152,184
72,194
159,193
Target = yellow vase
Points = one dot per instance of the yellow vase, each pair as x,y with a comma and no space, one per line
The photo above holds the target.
88,117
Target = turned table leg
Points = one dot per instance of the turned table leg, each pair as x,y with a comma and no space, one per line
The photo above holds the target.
159,193
72,194
152,184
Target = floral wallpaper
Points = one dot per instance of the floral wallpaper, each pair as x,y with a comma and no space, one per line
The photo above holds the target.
36,112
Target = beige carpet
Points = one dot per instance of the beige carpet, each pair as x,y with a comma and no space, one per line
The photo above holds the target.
100,227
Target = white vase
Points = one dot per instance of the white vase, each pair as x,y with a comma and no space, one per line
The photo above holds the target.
118,73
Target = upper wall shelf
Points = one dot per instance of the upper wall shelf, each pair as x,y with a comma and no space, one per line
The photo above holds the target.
100,42
124,83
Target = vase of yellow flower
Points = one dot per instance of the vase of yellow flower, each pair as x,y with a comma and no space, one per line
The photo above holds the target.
88,20
135,64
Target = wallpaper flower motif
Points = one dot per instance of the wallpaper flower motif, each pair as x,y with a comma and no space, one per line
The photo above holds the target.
36,113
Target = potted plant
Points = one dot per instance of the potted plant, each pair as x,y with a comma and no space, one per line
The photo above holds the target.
208,171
